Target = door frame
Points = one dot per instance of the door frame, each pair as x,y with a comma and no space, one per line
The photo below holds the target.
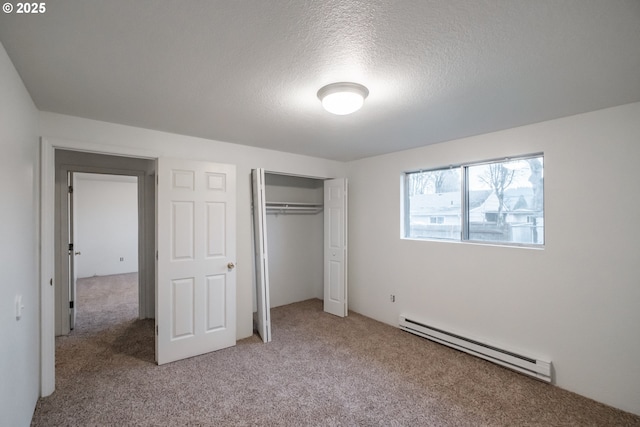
265,283
62,215
47,253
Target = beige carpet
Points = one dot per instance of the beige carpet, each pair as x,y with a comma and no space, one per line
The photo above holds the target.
319,370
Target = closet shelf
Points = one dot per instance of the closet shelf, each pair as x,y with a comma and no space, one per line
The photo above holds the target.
293,207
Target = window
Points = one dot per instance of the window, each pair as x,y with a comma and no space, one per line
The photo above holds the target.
432,207
496,201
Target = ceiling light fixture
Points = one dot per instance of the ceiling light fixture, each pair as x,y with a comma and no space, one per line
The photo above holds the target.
342,98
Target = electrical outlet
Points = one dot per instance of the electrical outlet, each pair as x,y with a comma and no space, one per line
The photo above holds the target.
121,258
392,298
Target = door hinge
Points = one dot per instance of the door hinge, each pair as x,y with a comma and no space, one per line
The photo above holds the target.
156,255
157,329
70,304
71,189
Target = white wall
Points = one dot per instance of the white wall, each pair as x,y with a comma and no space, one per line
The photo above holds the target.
57,127
577,301
295,242
19,357
106,220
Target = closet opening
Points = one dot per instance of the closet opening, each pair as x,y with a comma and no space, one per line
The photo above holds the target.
300,242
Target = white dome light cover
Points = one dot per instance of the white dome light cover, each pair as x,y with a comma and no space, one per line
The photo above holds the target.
343,98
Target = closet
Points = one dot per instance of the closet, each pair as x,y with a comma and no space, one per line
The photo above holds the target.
300,243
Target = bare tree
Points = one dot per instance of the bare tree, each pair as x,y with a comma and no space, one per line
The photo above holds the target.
418,183
446,180
499,179
536,184
437,181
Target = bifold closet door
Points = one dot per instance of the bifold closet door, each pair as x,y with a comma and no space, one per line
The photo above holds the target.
335,250
261,255
335,247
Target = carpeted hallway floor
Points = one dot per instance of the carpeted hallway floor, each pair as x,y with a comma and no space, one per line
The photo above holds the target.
320,370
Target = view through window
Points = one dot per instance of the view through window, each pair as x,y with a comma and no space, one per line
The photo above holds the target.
496,201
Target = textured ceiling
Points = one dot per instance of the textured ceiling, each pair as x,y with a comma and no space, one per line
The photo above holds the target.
248,71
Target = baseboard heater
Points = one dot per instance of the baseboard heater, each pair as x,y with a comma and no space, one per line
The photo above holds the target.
531,366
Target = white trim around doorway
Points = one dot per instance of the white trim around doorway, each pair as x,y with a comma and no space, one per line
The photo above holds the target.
47,243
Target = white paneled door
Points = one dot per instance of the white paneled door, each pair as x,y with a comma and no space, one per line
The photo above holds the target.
263,316
335,247
196,243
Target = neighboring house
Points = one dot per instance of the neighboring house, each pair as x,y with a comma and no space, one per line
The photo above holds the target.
520,222
435,216
438,216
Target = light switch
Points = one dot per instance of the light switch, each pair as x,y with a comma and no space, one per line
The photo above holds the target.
19,307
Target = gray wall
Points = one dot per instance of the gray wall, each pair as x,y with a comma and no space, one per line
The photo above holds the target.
106,220
19,357
575,302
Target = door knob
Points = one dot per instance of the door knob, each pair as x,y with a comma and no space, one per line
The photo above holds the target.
231,266
78,253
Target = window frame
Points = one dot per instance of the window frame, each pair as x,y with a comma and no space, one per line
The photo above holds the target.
464,203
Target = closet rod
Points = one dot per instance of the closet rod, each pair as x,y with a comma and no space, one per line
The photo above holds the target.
284,207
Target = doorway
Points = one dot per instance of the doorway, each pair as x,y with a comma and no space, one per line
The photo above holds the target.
69,165
82,157
103,227
166,224
300,240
